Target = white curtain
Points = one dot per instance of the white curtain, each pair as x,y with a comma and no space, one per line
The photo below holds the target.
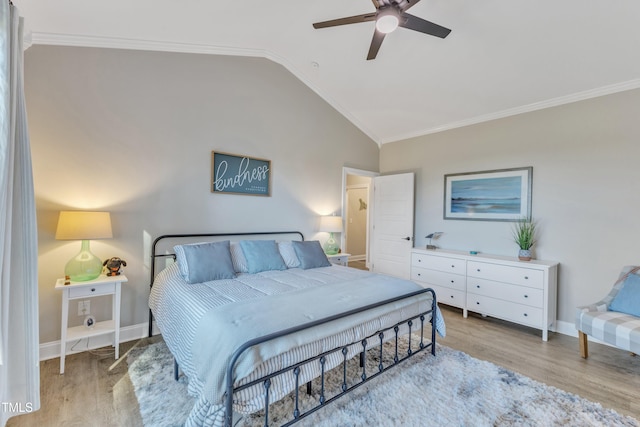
19,354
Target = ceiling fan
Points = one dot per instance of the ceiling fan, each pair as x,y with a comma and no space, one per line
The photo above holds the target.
389,15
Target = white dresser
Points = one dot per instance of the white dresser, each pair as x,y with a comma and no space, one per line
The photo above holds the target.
447,276
502,287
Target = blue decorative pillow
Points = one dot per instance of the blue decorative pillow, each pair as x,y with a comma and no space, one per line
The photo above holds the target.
262,255
203,262
628,298
310,254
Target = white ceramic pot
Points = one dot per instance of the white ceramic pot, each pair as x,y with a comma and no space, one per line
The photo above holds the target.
524,255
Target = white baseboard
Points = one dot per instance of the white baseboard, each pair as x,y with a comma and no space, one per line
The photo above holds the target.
569,328
566,328
51,350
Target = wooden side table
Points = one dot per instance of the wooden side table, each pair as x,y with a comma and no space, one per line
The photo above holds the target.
103,285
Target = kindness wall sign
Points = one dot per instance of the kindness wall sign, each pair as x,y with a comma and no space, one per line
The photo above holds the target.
235,174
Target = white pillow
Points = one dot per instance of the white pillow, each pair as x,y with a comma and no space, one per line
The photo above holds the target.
240,264
288,254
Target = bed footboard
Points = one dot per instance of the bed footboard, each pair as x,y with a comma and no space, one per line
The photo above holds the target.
363,347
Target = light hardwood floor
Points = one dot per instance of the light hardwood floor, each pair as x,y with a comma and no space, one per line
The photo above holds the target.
88,394
609,376
360,265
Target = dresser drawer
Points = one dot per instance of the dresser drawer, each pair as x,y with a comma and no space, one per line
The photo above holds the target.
447,296
440,278
507,274
449,265
91,291
520,294
523,314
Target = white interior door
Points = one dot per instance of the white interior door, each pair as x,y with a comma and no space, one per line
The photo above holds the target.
392,231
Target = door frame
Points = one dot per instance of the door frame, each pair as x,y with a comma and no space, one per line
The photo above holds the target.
367,188
358,172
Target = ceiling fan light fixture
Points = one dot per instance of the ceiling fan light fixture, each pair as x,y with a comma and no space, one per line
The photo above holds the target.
387,22
389,15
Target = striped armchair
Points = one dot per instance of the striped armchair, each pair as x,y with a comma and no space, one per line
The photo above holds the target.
618,329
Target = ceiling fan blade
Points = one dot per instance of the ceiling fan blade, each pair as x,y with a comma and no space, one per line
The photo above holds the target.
418,24
375,44
376,4
344,21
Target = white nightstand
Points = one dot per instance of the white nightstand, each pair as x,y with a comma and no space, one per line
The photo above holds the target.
103,285
339,259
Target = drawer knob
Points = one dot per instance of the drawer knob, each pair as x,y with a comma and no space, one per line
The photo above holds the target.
453,281
526,296
419,274
477,269
93,289
477,302
526,277
525,315
453,266
419,260
451,296
478,286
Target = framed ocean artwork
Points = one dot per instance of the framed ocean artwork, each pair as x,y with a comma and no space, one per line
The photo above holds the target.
497,195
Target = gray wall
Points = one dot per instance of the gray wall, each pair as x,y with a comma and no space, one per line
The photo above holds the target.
585,181
132,132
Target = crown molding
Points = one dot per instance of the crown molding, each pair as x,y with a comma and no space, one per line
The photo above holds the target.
26,40
137,44
554,102
164,46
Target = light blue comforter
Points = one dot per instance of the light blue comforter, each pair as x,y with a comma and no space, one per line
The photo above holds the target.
187,315
230,326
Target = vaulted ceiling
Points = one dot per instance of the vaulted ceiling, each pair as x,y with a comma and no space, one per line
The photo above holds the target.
503,57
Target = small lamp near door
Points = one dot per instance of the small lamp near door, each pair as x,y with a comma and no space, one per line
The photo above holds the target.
84,226
331,224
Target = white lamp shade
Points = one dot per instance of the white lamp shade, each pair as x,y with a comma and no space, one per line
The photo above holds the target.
331,224
83,225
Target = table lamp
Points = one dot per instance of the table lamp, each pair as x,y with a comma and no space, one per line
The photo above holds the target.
331,224
85,226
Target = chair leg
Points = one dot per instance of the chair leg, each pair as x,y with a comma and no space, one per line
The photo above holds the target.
584,346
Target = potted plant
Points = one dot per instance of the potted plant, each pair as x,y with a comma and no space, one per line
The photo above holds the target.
524,234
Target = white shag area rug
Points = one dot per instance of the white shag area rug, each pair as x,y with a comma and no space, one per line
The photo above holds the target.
452,389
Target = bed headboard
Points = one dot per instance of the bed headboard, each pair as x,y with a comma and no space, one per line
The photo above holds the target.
162,246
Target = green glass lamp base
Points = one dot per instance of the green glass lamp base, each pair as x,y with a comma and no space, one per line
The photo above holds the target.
84,266
331,246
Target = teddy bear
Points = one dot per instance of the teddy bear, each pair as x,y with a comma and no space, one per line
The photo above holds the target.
113,265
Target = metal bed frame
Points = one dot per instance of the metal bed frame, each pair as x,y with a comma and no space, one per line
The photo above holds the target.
378,338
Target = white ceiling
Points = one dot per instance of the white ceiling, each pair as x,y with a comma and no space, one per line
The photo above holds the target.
503,57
